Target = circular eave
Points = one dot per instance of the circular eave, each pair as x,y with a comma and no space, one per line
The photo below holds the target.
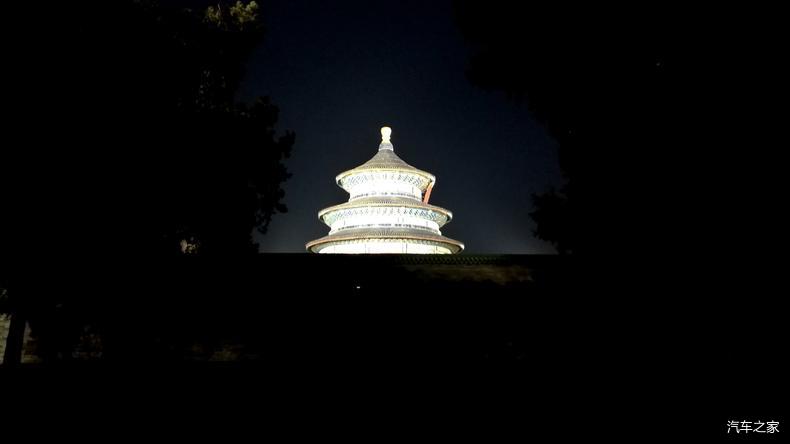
452,244
429,178
387,202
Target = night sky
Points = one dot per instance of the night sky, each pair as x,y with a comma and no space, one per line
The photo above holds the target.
339,72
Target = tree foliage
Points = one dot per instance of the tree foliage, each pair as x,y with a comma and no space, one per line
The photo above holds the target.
595,80
135,150
175,155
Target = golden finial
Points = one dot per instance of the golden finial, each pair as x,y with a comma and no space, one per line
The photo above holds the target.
385,134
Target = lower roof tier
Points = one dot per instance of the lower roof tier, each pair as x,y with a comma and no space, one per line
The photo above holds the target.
404,236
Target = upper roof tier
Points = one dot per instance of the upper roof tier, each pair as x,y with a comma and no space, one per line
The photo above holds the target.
386,160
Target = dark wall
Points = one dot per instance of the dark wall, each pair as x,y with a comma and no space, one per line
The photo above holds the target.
297,307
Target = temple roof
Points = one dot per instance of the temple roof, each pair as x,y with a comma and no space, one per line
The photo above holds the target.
356,234
389,201
385,208
385,160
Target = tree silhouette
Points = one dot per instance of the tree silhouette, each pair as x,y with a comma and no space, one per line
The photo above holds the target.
594,79
154,147
220,171
135,149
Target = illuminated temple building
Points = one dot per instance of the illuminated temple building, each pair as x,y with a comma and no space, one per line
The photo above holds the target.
387,212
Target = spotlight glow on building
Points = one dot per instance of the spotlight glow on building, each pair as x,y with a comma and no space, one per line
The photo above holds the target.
388,211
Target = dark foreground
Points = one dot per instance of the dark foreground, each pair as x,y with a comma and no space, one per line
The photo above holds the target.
373,347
